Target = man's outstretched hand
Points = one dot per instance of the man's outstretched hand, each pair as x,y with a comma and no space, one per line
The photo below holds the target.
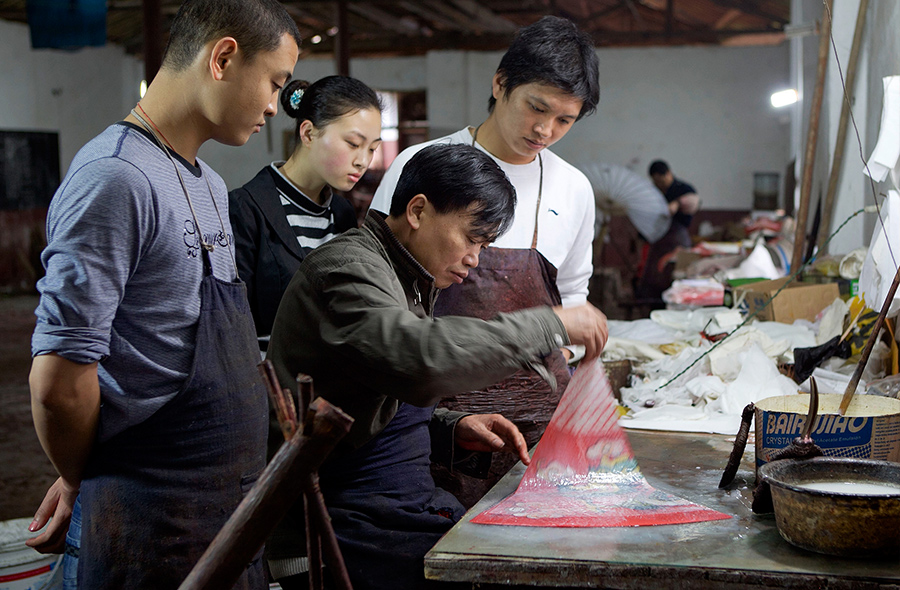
491,432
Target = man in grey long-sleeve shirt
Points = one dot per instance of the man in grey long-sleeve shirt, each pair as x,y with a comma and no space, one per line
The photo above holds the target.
144,390
357,317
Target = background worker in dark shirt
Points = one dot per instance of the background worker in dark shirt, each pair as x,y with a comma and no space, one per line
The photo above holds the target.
683,203
682,198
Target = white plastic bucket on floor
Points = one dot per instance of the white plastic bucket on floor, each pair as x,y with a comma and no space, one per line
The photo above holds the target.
21,567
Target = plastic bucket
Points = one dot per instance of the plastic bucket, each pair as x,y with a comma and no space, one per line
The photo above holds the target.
869,430
21,567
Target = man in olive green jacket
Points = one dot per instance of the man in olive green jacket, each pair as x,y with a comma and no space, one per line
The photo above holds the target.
357,317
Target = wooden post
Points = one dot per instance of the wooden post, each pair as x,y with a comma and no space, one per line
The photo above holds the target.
320,521
279,486
812,137
838,159
153,45
670,19
342,41
870,343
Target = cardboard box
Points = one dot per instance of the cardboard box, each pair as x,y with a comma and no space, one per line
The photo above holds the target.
798,301
869,430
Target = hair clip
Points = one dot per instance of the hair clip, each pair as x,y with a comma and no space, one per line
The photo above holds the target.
296,96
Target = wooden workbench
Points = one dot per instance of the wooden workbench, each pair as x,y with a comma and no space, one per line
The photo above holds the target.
744,552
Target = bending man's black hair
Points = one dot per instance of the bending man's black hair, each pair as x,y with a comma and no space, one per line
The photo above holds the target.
458,177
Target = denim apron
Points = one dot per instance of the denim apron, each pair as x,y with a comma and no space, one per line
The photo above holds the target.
505,280
384,506
154,496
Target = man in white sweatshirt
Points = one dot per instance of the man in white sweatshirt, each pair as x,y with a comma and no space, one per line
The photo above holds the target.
546,81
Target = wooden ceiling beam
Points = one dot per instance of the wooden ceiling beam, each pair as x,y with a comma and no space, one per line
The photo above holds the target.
491,21
706,36
731,15
378,26
636,15
454,14
607,10
427,11
585,6
305,17
667,12
752,8
384,19
595,20
758,39
378,46
670,16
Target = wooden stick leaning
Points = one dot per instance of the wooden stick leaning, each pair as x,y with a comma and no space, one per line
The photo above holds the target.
841,141
870,343
288,475
812,134
320,535
281,399
313,549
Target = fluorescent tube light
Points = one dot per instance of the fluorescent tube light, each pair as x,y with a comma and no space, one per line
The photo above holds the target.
784,98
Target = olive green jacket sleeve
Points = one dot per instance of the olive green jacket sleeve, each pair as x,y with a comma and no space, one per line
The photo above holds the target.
421,360
353,319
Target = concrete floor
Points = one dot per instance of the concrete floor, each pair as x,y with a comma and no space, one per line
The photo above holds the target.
25,472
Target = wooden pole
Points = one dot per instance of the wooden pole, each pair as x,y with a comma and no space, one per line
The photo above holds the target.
313,549
342,41
838,159
870,343
279,486
812,136
670,19
319,518
153,47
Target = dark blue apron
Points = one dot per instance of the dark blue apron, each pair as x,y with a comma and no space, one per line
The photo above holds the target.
384,506
155,495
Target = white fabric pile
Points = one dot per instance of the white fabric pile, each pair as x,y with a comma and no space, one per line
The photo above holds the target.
710,395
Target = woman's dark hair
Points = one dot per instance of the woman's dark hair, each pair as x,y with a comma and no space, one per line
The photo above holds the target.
326,100
257,25
455,177
552,51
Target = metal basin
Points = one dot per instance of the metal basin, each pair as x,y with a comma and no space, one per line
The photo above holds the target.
863,524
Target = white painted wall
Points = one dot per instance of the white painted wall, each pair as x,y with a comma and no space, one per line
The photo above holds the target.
882,46
879,57
704,109
851,189
77,93
80,93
